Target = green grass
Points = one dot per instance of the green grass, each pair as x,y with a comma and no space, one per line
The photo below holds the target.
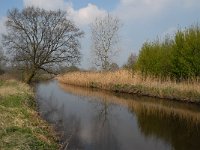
20,125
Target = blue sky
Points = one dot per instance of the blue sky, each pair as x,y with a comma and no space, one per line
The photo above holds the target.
143,20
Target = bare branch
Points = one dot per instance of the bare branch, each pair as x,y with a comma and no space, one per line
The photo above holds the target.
41,39
105,40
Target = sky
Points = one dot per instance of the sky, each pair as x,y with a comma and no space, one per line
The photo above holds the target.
142,20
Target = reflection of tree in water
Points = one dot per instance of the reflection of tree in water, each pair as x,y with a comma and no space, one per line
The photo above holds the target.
68,127
49,108
180,133
71,130
103,131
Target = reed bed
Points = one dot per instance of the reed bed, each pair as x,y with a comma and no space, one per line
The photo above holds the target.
125,81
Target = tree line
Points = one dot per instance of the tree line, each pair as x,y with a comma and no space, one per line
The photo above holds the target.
44,40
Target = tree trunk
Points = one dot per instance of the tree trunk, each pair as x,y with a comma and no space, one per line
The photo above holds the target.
30,77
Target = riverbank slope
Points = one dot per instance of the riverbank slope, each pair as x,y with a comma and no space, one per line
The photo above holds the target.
20,125
124,81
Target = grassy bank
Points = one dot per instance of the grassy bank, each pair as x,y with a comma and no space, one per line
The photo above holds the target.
20,125
124,81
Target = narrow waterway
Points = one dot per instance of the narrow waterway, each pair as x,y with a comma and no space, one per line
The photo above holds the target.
97,120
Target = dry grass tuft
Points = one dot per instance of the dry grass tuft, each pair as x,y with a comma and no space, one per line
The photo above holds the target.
13,87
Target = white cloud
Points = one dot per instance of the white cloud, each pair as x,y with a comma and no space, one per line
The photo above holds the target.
82,16
139,9
86,15
136,9
127,9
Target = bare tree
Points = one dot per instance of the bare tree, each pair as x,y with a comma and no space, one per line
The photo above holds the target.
131,61
105,40
38,39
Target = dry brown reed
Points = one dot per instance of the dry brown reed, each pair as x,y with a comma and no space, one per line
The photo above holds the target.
125,81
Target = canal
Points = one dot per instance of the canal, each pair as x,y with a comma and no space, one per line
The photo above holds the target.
92,119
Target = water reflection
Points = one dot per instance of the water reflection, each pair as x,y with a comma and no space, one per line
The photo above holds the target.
92,119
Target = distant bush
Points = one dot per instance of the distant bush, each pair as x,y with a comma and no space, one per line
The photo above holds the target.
70,69
131,61
177,58
113,67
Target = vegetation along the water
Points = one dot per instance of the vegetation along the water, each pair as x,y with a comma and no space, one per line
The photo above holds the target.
21,127
165,69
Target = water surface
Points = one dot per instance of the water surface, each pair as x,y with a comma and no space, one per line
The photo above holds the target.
96,120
